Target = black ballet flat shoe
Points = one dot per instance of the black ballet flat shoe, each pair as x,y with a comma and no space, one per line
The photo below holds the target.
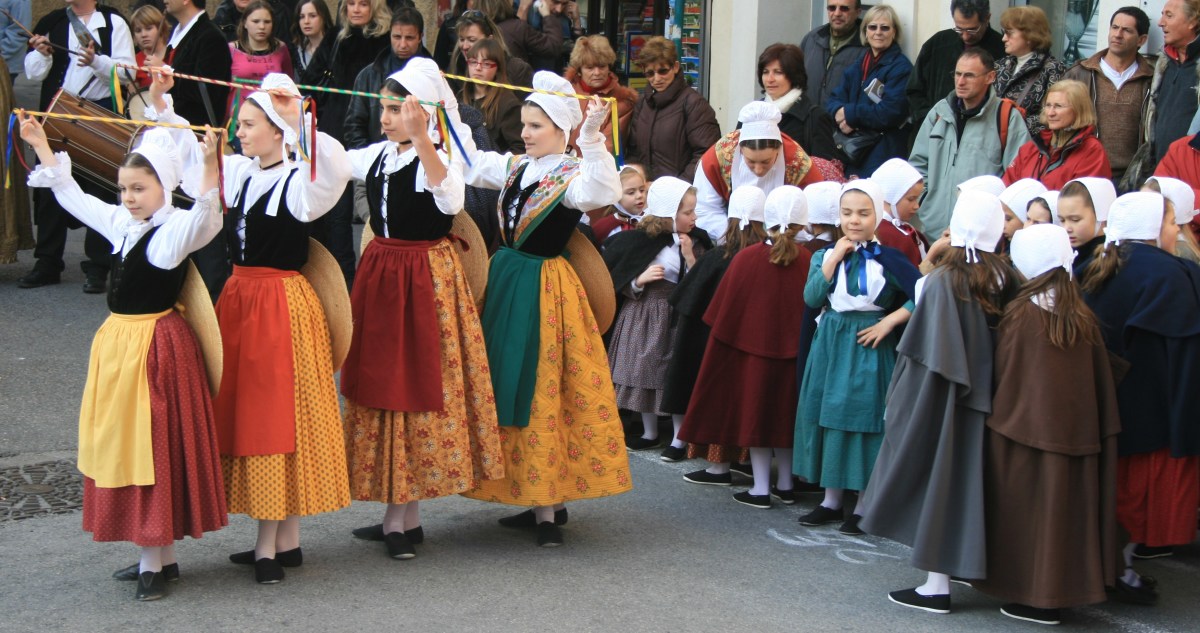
290,558
741,469
820,516
786,497
1146,595
151,586
268,571
641,443
170,573
1032,614
398,546
850,526
526,519
674,454
705,478
910,598
416,536
762,502
548,535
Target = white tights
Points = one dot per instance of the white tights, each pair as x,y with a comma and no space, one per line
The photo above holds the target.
277,536
401,517
760,464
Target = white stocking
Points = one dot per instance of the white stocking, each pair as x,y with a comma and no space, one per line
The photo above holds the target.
783,468
718,468
1130,577
935,585
412,516
543,514
649,426
151,560
168,555
288,536
833,498
393,517
760,465
265,547
677,422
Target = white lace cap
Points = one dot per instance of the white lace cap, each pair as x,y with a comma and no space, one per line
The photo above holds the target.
664,196
823,203
1102,193
1041,248
895,177
873,191
159,149
746,203
263,99
977,223
990,184
760,120
421,77
1181,195
563,111
786,205
1051,198
1018,195
1137,215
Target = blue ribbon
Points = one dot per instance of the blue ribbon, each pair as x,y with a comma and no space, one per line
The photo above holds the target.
870,250
457,142
8,152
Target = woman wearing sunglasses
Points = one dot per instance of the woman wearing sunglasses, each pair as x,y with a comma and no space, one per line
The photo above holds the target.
672,125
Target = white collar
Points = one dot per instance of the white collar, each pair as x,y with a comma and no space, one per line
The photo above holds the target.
181,31
538,167
394,160
135,229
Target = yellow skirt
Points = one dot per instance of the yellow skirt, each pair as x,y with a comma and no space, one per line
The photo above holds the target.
312,479
574,446
397,457
115,442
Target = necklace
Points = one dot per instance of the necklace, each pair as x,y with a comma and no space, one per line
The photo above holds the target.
272,165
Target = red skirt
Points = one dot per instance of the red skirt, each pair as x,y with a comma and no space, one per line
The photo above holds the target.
256,404
1157,496
187,498
395,350
742,399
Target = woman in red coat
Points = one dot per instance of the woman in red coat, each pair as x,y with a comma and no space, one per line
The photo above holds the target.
1068,148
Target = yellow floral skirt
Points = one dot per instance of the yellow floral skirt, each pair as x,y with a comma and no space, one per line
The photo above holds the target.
573,447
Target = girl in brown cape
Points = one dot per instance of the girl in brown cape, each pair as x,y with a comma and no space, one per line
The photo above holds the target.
1050,456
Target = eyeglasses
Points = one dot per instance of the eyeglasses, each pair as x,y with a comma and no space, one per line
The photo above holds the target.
973,31
883,28
833,8
482,63
650,72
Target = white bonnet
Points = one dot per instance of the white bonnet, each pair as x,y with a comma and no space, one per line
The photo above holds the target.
824,202
760,120
895,177
563,111
747,203
1041,248
1017,196
786,205
977,223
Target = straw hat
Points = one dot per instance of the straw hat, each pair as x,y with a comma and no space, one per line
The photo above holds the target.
597,281
473,256
323,272
202,318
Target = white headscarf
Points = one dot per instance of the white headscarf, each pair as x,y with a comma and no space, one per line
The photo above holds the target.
895,177
1181,195
977,223
1137,215
664,197
872,190
1017,196
159,149
785,206
823,203
747,204
1041,248
421,78
990,184
1051,198
1102,193
760,120
263,99
563,111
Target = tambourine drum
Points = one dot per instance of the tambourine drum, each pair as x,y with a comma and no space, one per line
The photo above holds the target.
96,148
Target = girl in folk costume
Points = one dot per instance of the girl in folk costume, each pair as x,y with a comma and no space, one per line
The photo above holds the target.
413,433
1147,301
927,488
1015,201
280,433
691,300
865,291
559,426
757,154
903,187
1182,200
147,439
1083,210
824,214
745,394
625,213
1053,429
646,265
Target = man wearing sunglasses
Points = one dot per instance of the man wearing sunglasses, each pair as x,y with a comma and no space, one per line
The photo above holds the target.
830,48
932,78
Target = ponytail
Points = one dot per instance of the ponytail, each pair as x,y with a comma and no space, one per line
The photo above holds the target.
784,249
1104,266
737,238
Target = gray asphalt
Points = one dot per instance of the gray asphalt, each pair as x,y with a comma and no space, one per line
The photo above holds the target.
669,556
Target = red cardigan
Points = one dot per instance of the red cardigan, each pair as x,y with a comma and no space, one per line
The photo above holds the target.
1082,156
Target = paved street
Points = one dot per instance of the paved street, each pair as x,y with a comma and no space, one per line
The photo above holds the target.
669,556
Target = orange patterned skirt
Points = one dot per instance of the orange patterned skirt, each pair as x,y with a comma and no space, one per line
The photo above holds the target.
397,457
312,479
573,447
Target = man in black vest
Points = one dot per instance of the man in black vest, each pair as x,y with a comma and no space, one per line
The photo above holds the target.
98,38
196,47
